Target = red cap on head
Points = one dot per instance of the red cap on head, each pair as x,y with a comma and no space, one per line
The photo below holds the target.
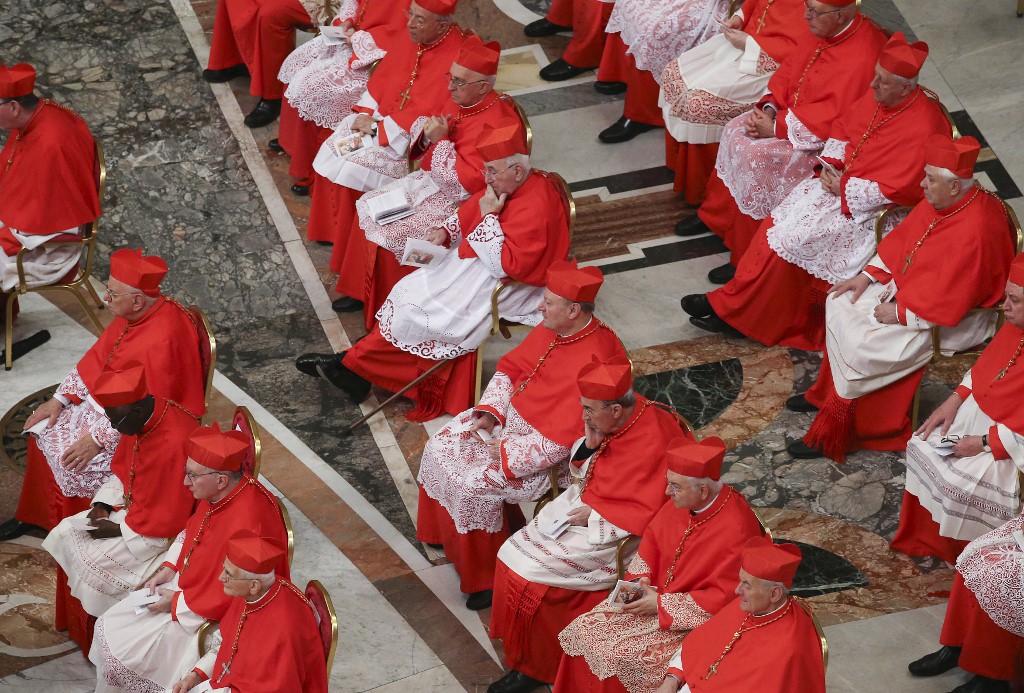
578,284
441,7
701,460
959,156
501,140
1017,270
902,58
776,562
606,380
249,551
118,387
216,449
478,56
143,272
17,80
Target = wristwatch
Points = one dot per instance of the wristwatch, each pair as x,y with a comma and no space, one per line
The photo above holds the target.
984,443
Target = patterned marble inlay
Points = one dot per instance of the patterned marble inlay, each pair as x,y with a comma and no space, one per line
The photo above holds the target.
700,393
822,571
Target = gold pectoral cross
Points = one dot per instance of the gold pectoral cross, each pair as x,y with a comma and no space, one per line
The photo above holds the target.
405,97
906,263
712,670
1002,373
226,666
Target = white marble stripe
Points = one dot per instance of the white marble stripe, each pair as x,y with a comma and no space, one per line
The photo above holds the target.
515,10
443,581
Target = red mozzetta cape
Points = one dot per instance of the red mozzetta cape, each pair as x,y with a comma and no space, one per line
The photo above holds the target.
893,153
383,19
782,655
1000,398
429,91
962,264
279,646
149,466
544,386
707,566
201,560
535,227
783,25
47,173
464,131
627,485
821,77
166,341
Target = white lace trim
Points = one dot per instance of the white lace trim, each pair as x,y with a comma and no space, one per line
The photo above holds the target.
799,136
993,569
656,32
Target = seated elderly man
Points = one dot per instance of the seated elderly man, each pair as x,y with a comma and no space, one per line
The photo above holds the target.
254,37
763,640
325,78
451,171
497,454
686,567
70,459
587,20
767,151
983,632
409,82
48,148
512,230
963,464
823,231
152,651
562,563
134,515
642,38
269,637
951,254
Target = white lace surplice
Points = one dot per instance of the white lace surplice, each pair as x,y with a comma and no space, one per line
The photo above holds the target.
370,168
657,31
993,569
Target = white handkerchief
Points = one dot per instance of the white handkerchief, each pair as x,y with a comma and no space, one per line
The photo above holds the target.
38,428
143,597
81,523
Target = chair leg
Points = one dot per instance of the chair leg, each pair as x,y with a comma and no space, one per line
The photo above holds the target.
9,331
99,301
88,309
480,368
915,407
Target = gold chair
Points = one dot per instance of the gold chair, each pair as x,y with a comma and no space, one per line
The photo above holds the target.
244,422
80,284
822,640
203,635
327,619
287,519
207,348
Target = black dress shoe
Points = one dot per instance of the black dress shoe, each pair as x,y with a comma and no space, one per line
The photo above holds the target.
355,386
225,75
24,346
514,682
799,403
543,27
799,451
307,363
300,190
346,304
609,87
326,243
265,113
697,305
691,226
275,146
561,70
713,323
983,684
12,529
479,600
722,275
938,662
436,547
623,130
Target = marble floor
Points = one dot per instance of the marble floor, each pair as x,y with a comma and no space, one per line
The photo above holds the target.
189,181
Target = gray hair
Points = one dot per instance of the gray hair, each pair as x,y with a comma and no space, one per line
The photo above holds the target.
519,160
949,176
772,584
587,306
265,579
627,400
233,476
905,81
714,486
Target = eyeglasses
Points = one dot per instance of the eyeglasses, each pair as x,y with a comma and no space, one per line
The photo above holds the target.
113,294
951,439
491,175
225,574
460,83
416,19
817,13
590,412
192,476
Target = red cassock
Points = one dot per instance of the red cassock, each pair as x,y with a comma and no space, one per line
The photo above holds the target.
961,263
873,132
779,651
48,181
776,26
149,467
423,72
693,561
817,81
201,560
302,138
627,488
988,650
259,33
534,224
278,645
641,101
588,19
465,127
166,342
547,397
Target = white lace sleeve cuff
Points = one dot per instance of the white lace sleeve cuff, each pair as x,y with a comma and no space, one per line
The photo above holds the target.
863,198
802,138
680,612
72,385
835,149
365,50
497,394
488,240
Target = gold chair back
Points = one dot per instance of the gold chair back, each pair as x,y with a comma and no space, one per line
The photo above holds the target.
822,640
243,421
328,618
208,350
287,519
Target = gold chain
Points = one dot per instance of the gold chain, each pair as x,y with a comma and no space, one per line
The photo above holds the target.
764,15
693,525
935,222
1013,360
407,94
822,47
226,666
713,669
872,128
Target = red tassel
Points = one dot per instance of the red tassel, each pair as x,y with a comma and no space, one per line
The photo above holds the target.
833,428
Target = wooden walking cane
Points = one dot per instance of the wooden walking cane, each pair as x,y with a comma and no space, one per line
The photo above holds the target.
346,432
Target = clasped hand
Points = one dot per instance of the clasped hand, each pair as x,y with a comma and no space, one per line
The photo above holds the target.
491,203
647,604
